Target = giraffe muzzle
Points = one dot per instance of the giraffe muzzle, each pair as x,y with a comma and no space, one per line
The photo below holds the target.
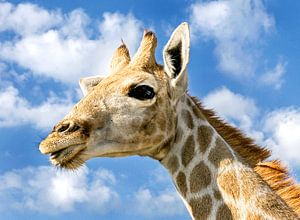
67,133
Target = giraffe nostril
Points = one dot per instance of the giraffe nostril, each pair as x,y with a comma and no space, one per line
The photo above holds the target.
67,127
62,128
73,128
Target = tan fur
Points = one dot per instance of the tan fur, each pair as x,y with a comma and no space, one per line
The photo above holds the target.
145,56
229,183
234,212
276,175
254,216
120,59
273,172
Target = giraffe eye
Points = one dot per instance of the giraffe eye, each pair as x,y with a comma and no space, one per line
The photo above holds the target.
142,92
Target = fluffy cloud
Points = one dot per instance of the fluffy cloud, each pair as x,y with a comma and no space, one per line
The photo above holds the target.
274,77
235,108
46,190
165,203
50,191
237,28
26,19
16,110
161,200
283,128
64,46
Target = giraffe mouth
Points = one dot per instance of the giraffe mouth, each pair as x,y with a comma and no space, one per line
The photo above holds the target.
69,157
56,154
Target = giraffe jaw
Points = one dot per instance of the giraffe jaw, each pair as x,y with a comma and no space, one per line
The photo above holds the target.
112,148
70,157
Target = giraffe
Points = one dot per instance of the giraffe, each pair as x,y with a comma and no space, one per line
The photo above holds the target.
143,108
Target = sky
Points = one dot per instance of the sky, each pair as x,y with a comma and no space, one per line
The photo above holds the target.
244,63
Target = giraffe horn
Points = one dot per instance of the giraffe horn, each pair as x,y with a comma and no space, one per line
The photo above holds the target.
120,59
145,56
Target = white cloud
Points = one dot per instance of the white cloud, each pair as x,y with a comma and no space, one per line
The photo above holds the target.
243,21
237,28
75,26
283,128
71,48
26,18
235,108
165,203
50,191
16,110
274,77
46,190
158,198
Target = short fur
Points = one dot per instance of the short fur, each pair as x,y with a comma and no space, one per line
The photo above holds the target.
273,172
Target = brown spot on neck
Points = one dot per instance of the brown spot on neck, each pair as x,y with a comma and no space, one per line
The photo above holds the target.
173,164
204,137
200,177
181,183
223,212
217,194
188,119
247,153
201,207
220,155
188,151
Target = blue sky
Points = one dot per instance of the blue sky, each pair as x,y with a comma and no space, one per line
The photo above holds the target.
244,63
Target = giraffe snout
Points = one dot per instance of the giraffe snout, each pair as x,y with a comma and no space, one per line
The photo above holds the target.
67,133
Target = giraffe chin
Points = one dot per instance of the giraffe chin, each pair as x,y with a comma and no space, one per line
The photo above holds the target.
69,158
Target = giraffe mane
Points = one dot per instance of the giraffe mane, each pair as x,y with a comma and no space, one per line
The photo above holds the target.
273,172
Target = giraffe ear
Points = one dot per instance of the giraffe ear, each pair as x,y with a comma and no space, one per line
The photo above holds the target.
88,83
176,58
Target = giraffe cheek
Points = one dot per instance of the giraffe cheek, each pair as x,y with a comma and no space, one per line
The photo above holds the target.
150,129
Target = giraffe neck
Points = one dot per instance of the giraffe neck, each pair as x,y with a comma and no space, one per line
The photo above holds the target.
211,178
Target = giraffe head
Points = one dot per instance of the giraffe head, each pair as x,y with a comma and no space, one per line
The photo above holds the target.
129,112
